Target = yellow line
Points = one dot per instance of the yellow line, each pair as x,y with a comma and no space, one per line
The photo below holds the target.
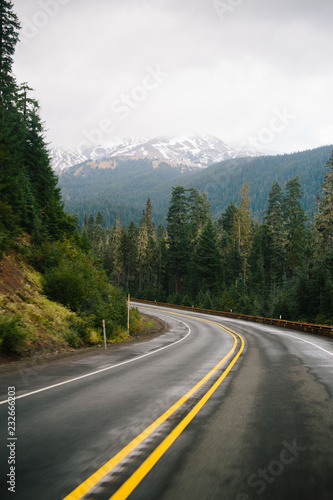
95,478
126,489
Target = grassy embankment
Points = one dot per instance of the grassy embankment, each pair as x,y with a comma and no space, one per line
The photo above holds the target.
31,324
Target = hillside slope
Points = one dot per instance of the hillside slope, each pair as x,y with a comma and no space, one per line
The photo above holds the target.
40,325
117,184
222,182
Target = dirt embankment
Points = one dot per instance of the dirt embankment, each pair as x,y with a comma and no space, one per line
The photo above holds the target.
13,279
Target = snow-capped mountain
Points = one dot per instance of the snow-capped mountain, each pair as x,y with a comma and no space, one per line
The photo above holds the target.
62,158
196,151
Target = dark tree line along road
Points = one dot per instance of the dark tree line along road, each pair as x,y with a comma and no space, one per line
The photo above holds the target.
264,429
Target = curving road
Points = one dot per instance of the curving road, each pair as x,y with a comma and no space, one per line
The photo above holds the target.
213,409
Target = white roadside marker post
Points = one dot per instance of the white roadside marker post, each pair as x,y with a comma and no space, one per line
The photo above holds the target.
128,311
104,334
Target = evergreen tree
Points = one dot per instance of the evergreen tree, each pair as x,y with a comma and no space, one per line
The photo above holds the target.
146,245
27,182
198,212
48,204
206,260
151,246
117,254
99,219
142,246
260,259
99,243
161,256
324,213
231,264
242,230
227,220
130,255
274,218
91,227
9,36
12,177
295,224
178,237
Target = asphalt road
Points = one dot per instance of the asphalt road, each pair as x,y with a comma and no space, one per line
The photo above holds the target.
265,432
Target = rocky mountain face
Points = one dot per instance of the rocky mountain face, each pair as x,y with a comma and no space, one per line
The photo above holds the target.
193,151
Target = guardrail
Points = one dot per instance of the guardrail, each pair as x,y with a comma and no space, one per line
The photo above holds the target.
323,330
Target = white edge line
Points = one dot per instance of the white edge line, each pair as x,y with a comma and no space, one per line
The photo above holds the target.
104,369
302,340
279,333
273,332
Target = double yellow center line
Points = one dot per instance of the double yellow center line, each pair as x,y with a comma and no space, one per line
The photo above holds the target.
126,489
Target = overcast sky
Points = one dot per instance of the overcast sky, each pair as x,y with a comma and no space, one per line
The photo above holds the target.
252,72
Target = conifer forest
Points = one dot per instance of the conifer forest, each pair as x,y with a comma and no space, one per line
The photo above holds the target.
282,266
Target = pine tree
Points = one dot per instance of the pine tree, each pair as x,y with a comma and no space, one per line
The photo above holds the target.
324,213
130,255
231,264
146,248
99,219
99,237
27,182
151,247
206,261
47,196
91,227
117,254
198,211
274,218
178,237
295,224
142,247
9,36
227,219
161,257
260,259
242,230
12,178
274,213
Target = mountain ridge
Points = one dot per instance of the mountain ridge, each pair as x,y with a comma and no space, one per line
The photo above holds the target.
196,151
126,187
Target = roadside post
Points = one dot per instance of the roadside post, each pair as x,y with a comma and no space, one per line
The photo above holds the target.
104,334
128,311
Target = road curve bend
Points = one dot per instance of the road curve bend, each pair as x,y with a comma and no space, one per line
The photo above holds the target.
215,408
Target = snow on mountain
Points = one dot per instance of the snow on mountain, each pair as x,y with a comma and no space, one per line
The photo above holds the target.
62,158
195,151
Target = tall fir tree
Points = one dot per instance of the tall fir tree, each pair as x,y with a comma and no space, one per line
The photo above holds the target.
9,36
130,256
324,212
198,212
295,224
243,228
206,266
274,218
117,253
178,238
27,182
142,248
